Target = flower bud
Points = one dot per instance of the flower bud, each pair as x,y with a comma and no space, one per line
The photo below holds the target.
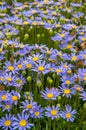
59,98
9,35
77,128
58,105
64,122
23,72
26,36
31,28
22,29
27,93
84,122
76,41
50,81
43,34
29,78
84,105
5,46
54,75
38,35
51,32
39,83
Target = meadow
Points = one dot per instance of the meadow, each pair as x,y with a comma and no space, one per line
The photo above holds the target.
43,65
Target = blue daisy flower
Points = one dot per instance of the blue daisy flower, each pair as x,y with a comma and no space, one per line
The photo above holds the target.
37,112
67,91
68,114
9,67
41,67
4,96
9,78
21,122
6,106
83,96
6,122
15,96
19,82
28,105
50,94
52,112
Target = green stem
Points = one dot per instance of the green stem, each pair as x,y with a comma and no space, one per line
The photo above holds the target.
46,125
54,125
49,124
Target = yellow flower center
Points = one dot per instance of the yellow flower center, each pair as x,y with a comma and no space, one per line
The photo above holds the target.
85,74
11,68
40,68
46,1
19,66
61,7
7,123
1,78
84,78
20,82
29,106
68,115
38,5
53,112
65,66
35,58
58,70
33,11
53,60
54,13
81,33
1,3
74,58
68,9
69,72
28,65
48,52
69,46
28,97
66,91
50,95
21,45
22,123
14,98
5,41
7,106
60,54
62,35
3,97
41,23
50,69
25,23
67,82
77,79
34,23
58,25
9,79
37,113
0,49
83,38
84,55
14,44
74,27
78,88
45,12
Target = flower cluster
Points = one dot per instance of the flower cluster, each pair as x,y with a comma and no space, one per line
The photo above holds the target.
42,65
